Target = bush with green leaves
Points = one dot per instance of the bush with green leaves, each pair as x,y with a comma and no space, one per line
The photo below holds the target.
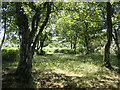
69,51
10,54
80,50
63,51
56,51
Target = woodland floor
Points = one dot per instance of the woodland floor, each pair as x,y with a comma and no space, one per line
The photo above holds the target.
64,71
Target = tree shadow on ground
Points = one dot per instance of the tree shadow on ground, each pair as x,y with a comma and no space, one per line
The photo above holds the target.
51,79
10,80
47,78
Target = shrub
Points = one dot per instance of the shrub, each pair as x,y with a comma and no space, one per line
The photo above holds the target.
56,51
45,50
63,51
10,54
42,53
80,50
69,51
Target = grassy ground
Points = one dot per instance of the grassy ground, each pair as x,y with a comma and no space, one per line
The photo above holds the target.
64,71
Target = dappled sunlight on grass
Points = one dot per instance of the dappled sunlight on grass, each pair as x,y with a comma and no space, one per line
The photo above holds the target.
66,71
69,63
86,70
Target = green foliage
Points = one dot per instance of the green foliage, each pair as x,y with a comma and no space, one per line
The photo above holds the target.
65,51
56,51
48,50
42,53
69,51
80,50
10,54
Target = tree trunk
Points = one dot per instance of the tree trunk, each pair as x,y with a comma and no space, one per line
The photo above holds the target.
43,38
1,69
24,68
29,38
117,43
38,47
75,47
118,48
25,60
71,43
86,45
5,22
75,41
41,47
86,38
106,58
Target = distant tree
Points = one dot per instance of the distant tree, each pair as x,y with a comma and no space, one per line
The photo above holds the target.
81,23
40,44
116,26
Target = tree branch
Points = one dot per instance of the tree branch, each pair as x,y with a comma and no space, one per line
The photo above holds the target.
35,22
43,25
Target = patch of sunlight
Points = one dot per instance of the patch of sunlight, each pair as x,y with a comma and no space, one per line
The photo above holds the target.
66,56
109,81
89,68
67,73
111,77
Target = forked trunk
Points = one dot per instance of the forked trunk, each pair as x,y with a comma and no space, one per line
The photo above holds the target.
29,37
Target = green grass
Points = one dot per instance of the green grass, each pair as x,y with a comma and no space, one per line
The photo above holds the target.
69,71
